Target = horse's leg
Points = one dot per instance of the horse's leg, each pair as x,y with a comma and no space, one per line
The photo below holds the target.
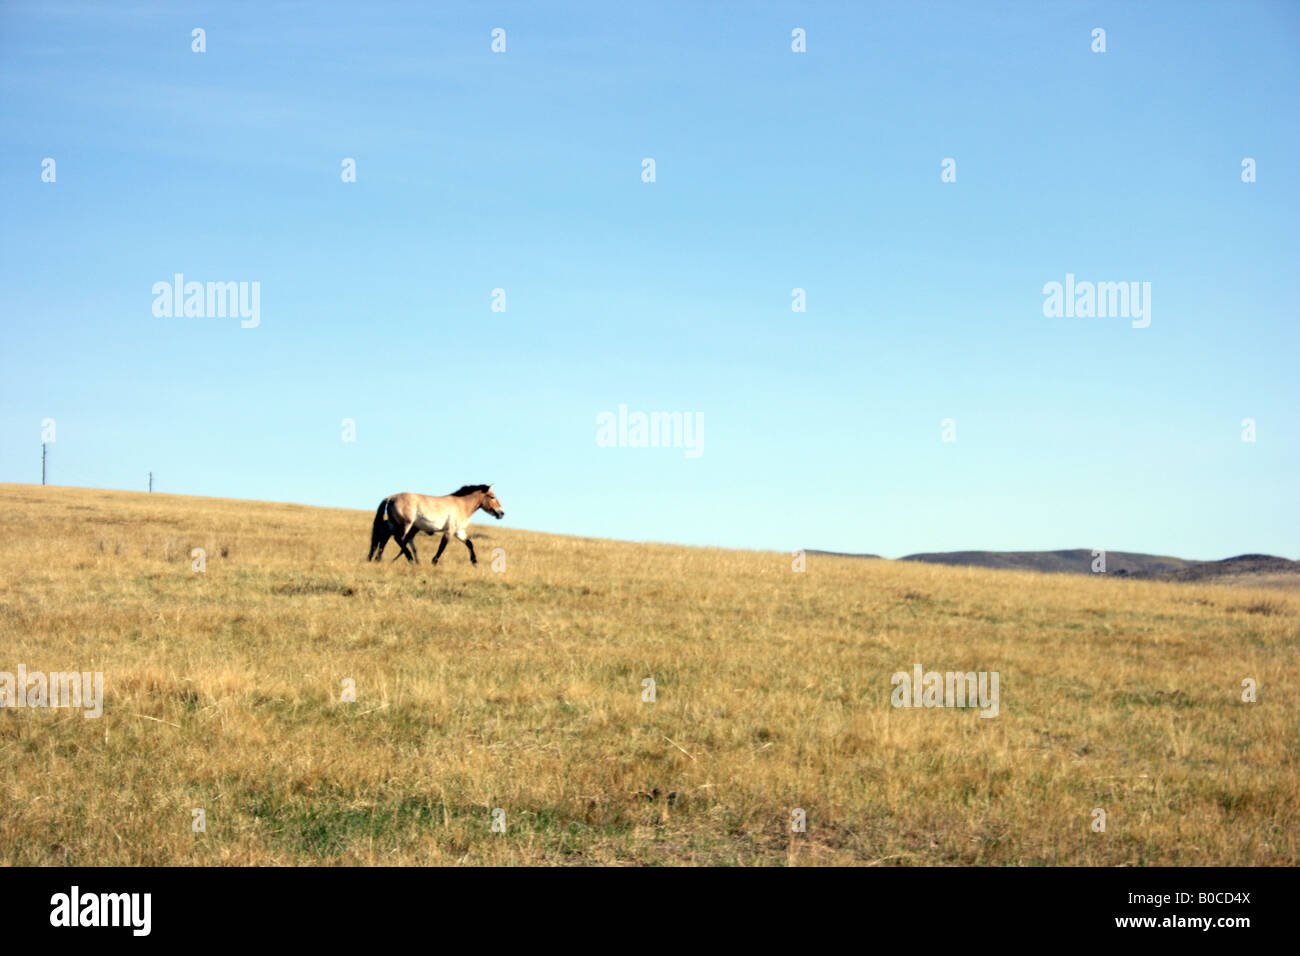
409,543
385,532
473,558
441,546
403,537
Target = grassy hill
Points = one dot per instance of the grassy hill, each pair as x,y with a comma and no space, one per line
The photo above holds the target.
521,690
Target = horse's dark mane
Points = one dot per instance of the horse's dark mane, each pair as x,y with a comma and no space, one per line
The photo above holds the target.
464,490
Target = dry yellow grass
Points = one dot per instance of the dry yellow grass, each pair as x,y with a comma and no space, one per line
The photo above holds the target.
522,691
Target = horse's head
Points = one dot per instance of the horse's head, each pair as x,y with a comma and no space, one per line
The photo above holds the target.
492,505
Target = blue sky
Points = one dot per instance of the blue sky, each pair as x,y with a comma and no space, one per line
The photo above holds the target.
775,170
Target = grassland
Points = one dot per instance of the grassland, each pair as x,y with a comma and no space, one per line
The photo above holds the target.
522,690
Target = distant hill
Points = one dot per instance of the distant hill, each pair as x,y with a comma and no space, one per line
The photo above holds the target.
1263,567
1240,566
1073,561
840,554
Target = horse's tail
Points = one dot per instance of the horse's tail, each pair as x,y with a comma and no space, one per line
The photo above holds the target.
377,536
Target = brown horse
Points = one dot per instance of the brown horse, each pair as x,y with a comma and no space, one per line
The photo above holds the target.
406,515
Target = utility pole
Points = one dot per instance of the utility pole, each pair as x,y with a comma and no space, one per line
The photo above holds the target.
42,463
151,482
